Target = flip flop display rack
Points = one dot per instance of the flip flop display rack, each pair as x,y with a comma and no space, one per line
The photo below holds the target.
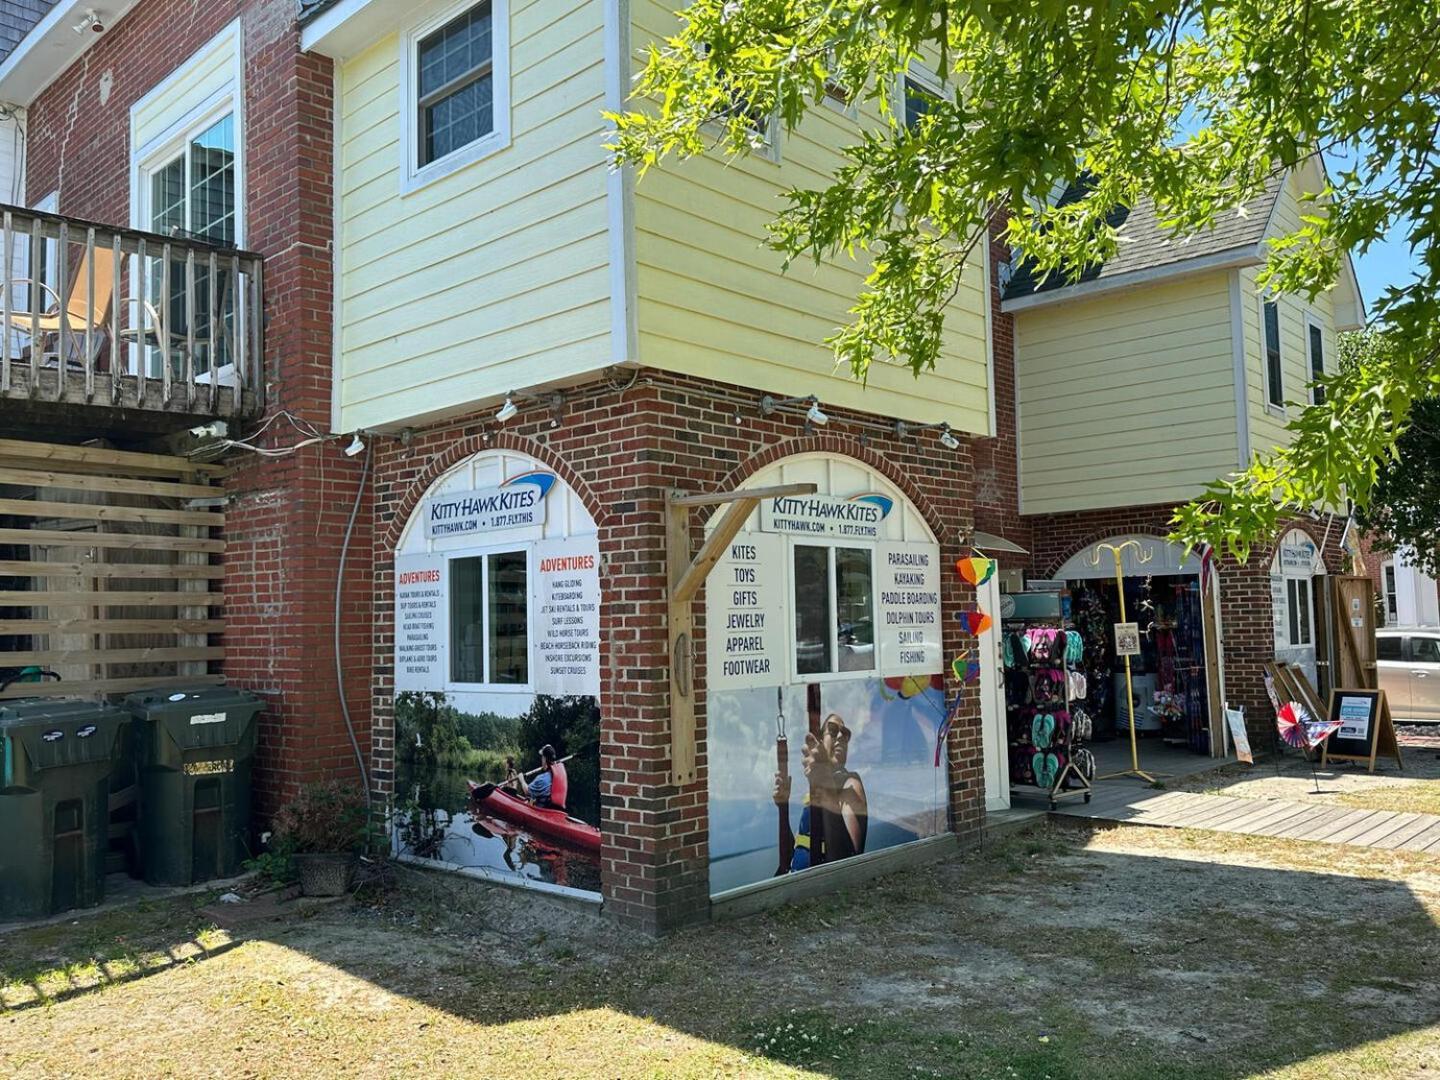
1048,726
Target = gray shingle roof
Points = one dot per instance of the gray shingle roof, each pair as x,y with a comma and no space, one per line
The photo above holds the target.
310,8
1144,245
16,19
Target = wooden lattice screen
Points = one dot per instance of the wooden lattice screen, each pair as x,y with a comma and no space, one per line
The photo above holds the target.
109,569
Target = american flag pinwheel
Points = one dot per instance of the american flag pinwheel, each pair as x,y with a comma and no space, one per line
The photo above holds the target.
1299,730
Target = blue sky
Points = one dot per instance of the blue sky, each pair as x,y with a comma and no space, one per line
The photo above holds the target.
1388,262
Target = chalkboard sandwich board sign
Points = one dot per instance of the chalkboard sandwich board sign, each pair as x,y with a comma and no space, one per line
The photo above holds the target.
1366,729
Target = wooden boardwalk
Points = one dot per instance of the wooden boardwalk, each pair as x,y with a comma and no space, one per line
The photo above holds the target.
1385,829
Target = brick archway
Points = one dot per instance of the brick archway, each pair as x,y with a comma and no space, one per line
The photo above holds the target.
846,447
457,453
1096,536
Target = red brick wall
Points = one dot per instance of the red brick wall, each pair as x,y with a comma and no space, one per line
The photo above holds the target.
1246,622
622,451
287,515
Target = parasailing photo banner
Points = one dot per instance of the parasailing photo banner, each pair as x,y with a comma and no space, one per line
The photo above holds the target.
810,773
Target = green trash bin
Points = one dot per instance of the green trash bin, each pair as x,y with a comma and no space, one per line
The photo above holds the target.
56,759
194,750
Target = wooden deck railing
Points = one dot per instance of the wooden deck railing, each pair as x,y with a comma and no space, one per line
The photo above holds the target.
99,315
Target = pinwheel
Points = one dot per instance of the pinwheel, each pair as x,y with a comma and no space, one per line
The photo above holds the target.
974,622
1297,729
976,569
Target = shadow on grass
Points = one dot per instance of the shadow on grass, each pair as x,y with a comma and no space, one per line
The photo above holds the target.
1036,957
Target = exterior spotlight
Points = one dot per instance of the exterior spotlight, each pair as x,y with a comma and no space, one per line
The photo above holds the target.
357,446
506,411
814,415
947,440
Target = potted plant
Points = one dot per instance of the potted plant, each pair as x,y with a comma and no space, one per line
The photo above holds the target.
324,830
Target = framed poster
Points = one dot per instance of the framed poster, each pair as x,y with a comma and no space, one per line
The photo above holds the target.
1127,639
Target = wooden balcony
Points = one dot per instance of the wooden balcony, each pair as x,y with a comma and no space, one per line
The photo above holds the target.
116,330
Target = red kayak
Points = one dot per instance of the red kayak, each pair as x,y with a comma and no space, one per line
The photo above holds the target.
552,824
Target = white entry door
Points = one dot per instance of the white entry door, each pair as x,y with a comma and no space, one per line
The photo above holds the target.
994,738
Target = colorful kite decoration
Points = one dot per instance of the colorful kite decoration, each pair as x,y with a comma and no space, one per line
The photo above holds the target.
965,669
974,622
945,731
908,686
976,569
1297,729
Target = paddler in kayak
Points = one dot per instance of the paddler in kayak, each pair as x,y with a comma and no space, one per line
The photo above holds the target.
551,785
835,792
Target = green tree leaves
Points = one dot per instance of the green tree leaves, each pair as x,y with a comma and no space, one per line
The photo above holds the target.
1193,105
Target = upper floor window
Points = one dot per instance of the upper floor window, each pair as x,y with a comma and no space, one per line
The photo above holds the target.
1274,379
1317,363
455,77
922,94
1392,596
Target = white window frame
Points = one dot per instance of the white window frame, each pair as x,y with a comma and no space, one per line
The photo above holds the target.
927,80
831,544
1277,407
162,148
455,686
161,152
413,176
1312,322
1390,592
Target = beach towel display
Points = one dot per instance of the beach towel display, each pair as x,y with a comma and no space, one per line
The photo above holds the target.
1043,685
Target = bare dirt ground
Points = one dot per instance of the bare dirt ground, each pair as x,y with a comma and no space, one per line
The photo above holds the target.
1414,789
1120,953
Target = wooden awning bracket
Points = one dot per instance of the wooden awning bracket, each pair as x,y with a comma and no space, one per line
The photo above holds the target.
686,574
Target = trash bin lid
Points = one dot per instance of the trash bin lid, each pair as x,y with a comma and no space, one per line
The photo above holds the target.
60,731
202,716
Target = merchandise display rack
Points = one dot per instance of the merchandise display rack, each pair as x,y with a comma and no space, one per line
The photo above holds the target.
1031,695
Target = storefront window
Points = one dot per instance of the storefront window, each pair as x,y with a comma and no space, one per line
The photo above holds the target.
812,610
509,646
854,609
467,620
489,609
1299,611
834,610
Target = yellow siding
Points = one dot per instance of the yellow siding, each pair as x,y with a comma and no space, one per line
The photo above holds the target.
1128,398
492,278
712,301
209,72
1267,424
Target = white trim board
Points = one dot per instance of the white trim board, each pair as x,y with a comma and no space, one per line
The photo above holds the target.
1242,393
620,194
51,46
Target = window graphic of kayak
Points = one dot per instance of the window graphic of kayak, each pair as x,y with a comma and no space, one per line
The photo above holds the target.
554,825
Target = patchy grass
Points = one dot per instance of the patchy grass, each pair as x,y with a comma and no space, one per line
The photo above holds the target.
1416,797
1064,953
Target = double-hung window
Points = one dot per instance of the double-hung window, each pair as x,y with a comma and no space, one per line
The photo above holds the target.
834,609
1316,341
190,192
489,616
1274,377
455,76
